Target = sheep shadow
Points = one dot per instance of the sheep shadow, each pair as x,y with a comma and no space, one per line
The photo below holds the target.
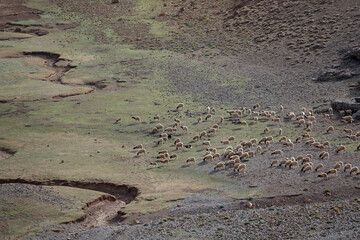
202,163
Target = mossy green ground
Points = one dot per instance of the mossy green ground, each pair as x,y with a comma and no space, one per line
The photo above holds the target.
80,130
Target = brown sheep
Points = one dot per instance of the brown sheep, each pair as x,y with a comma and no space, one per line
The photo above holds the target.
341,148
319,166
141,151
136,118
138,146
330,129
219,165
180,105
191,159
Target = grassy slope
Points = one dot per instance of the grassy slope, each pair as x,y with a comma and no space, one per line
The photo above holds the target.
80,131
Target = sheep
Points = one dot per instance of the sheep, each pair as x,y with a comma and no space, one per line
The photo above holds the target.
217,155
276,120
354,169
230,162
244,123
141,151
263,140
358,147
298,138
348,131
258,149
221,119
281,108
180,105
157,117
338,166
277,152
293,164
168,129
161,156
352,137
244,155
309,156
163,151
341,148
349,111
136,118
357,134
308,130
256,119
320,146
301,122
348,119
177,140
311,118
225,142
283,162
242,167
215,126
309,142
202,134
256,106
231,138
173,156
299,158
330,129
266,130
213,110
208,109
347,166
212,130
332,171
235,115
119,120
267,143
160,141
208,158
303,109
275,162
328,116
306,135
196,137
331,111
138,146
327,144
319,166
206,143
291,116
324,155
307,169
153,163
165,161
191,159
179,145
207,117
159,126
253,141
342,112
219,165
175,124
305,160
280,132
185,128
322,175
199,120
288,144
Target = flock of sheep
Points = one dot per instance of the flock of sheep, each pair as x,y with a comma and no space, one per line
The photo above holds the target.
236,156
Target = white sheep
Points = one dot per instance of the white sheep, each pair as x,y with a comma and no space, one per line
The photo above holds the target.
208,158
212,130
206,143
159,126
199,120
330,129
177,140
352,137
323,175
319,166
180,105
173,156
354,169
179,145
341,148
141,151
138,146
136,118
332,171
348,119
219,165
191,159
217,155
277,152
275,162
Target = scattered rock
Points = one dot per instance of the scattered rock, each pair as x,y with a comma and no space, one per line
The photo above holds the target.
339,105
332,75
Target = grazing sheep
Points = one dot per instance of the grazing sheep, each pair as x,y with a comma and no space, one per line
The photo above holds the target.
208,109
357,134
258,149
322,175
281,108
283,138
215,126
283,162
138,146
244,155
348,131
306,135
256,119
337,166
241,167
301,122
119,120
266,130
221,119
326,144
305,160
141,151
267,143
163,151
358,147
288,144
191,159
330,129
256,106
219,165
185,128
293,164
347,166
332,171
320,146
212,130
309,156
196,137
299,158
161,156
342,112
199,120
298,138
160,141
352,137
136,118
244,123
206,143
275,162
311,118
159,126
276,120
225,142
319,166
165,161
349,111
175,124
341,148
308,130
354,169
328,116
180,105
157,117
324,155
217,155
168,129
307,169
309,142
179,145
214,150
230,162
208,158
202,134
231,138
207,117
331,111
280,132
348,119
153,163
173,156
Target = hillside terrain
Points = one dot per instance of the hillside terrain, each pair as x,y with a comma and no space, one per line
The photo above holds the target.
181,119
